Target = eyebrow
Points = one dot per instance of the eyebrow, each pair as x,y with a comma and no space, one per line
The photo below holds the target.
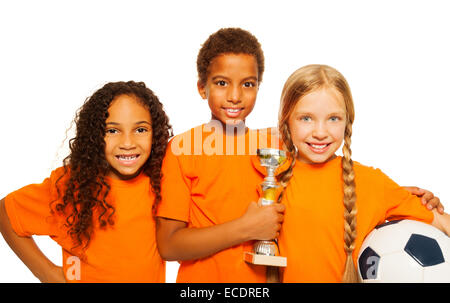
139,122
224,77
337,113
312,114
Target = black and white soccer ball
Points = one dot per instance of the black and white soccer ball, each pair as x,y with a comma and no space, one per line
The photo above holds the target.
405,251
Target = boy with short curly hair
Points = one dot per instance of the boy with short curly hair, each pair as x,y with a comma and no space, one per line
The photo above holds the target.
207,218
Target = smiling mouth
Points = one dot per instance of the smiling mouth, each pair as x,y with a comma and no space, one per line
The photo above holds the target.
127,159
318,148
232,112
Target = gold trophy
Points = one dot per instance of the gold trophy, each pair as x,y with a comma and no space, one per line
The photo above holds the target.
269,161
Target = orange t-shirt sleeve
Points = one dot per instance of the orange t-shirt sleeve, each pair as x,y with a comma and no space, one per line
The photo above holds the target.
175,189
28,208
401,204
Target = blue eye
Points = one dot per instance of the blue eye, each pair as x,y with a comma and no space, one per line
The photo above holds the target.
335,118
305,118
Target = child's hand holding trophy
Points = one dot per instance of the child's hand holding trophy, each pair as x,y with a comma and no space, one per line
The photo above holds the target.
270,162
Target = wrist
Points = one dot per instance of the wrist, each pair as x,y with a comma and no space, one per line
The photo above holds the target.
441,222
43,270
446,219
243,230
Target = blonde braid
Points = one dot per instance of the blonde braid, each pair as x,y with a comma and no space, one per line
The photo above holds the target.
285,176
348,174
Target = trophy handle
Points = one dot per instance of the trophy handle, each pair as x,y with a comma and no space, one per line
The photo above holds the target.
280,169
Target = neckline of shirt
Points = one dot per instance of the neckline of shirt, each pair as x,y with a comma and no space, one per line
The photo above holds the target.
141,178
316,166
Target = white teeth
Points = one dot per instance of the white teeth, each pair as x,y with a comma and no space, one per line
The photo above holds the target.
127,158
319,146
232,110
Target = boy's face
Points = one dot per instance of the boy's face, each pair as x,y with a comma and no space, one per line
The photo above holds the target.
128,137
231,87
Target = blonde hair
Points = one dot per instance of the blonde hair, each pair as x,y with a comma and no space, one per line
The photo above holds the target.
303,81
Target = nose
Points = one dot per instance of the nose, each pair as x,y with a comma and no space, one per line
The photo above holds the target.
127,141
234,94
320,131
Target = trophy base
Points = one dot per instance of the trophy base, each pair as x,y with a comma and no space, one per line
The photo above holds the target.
265,260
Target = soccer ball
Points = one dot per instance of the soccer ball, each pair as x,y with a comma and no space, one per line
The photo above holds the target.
405,251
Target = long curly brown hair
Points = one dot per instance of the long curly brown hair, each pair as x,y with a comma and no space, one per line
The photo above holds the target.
86,188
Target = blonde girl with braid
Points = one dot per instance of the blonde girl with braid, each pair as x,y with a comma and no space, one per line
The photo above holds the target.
332,202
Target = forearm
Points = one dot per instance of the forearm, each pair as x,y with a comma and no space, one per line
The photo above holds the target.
442,222
196,243
24,247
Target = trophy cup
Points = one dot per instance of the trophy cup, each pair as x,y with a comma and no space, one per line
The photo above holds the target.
268,161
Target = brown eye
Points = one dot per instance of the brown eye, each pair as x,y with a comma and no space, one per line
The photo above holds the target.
141,130
112,131
249,84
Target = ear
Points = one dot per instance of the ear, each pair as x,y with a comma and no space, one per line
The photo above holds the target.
201,89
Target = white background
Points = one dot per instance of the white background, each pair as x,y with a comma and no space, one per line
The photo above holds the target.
54,54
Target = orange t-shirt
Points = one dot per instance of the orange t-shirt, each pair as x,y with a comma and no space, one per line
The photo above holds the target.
206,181
124,252
312,235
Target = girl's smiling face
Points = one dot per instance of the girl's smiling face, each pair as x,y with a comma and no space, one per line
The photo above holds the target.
128,137
317,125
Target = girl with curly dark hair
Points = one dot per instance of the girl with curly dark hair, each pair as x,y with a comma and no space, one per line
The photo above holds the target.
100,205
